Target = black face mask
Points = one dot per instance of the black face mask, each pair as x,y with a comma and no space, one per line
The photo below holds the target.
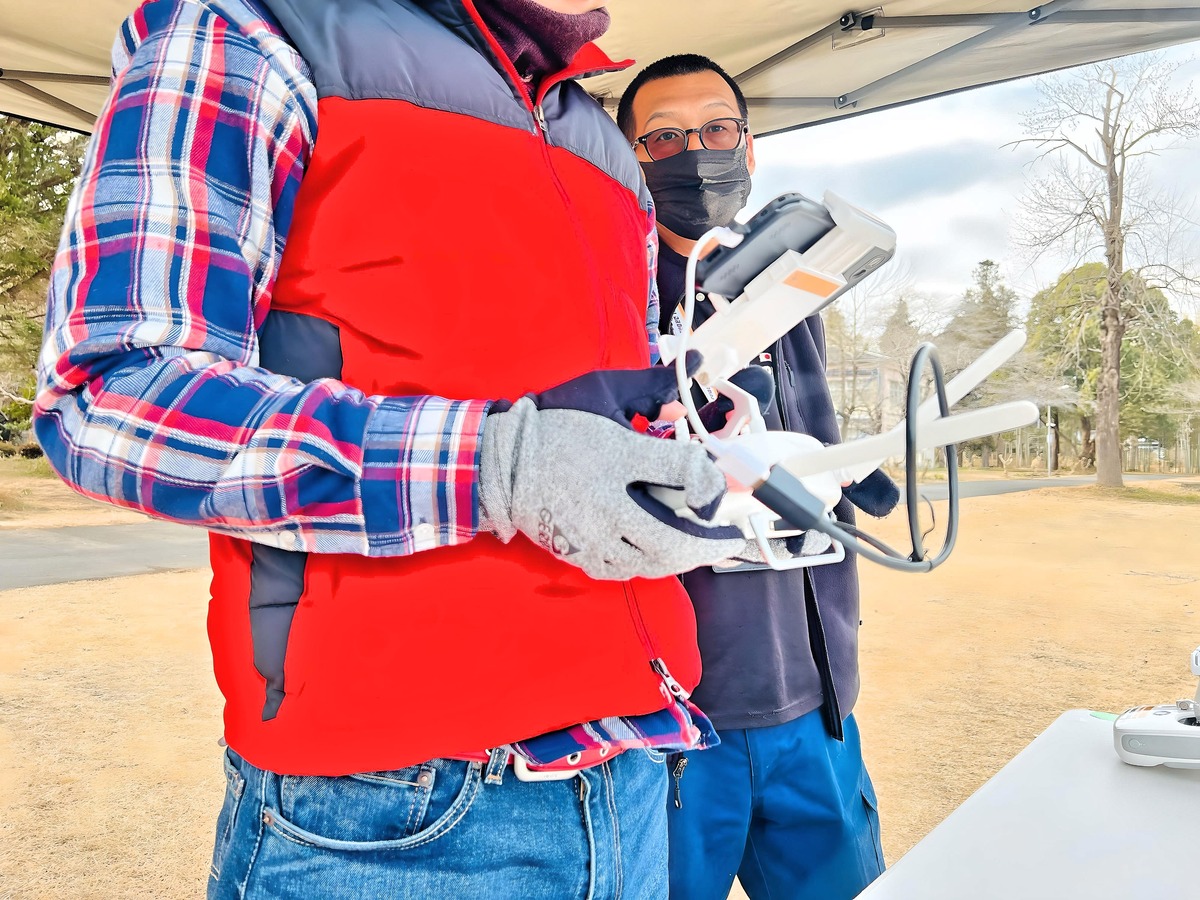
698,189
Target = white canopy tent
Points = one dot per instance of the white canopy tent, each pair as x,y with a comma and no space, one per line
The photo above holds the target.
800,61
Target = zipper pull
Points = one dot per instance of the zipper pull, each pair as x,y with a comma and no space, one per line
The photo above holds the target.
677,690
677,774
539,116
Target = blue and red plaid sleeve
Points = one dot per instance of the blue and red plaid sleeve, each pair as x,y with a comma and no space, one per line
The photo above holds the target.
150,396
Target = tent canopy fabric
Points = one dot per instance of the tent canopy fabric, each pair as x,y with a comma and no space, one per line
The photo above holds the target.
799,61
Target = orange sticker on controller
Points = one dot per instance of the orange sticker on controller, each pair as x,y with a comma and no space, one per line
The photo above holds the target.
812,284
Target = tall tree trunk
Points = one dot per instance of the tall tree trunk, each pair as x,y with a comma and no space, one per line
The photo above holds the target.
1112,322
1108,398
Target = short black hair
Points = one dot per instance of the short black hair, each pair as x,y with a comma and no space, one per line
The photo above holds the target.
672,67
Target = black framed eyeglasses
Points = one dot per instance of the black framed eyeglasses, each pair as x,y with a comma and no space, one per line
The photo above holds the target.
718,134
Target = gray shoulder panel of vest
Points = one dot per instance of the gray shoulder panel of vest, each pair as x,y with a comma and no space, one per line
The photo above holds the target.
577,123
392,50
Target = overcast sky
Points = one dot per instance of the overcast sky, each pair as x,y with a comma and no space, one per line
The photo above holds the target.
936,172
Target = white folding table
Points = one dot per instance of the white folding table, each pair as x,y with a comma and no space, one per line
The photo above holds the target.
1065,819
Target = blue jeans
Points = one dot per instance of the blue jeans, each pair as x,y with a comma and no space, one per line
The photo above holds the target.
443,829
785,808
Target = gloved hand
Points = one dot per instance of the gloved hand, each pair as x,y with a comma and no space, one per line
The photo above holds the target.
754,380
565,468
876,495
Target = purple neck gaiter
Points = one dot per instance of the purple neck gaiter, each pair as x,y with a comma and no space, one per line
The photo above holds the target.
540,41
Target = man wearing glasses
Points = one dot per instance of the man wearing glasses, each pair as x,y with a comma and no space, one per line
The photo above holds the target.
784,802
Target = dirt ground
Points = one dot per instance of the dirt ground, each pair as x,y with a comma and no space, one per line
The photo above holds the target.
109,766
32,497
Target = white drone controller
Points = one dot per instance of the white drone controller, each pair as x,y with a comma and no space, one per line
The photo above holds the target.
842,244
1166,735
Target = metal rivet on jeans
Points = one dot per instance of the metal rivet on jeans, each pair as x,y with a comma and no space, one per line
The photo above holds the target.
268,819
424,779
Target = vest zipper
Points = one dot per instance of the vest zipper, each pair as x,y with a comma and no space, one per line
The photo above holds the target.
542,131
534,105
510,72
657,663
677,690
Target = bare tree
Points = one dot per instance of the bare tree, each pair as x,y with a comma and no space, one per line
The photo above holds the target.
856,373
1094,127
846,344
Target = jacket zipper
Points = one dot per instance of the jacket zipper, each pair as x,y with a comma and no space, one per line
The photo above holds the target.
784,402
677,775
830,708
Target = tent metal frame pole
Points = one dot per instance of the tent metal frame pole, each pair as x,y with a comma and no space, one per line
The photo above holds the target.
1034,16
869,22
788,52
794,102
1127,16
785,102
86,118
995,25
53,77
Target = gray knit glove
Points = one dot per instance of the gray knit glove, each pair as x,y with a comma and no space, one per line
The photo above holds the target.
574,482
567,467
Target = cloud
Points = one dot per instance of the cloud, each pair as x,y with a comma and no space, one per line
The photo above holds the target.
936,173
894,179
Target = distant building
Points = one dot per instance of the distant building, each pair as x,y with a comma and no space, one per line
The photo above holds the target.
868,392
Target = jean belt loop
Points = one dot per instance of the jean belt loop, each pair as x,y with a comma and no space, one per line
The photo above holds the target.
497,763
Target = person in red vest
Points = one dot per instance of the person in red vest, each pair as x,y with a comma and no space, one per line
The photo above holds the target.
366,288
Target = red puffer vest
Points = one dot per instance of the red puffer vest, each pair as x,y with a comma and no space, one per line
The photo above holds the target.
445,242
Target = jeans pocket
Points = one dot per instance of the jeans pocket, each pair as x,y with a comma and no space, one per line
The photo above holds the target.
235,786
395,810
656,756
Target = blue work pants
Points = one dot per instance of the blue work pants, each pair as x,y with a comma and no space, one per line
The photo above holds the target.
787,809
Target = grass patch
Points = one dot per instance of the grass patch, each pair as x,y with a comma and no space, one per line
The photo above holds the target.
19,467
20,483
1142,495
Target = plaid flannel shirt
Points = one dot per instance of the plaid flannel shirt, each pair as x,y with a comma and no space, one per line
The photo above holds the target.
150,394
